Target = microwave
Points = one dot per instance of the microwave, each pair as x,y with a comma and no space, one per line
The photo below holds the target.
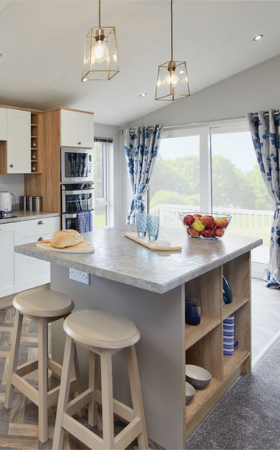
76,165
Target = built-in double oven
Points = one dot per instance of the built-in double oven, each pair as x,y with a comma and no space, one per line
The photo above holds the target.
77,187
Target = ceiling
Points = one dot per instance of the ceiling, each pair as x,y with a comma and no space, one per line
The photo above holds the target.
42,45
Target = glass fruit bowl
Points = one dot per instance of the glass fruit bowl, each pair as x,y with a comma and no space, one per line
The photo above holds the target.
205,225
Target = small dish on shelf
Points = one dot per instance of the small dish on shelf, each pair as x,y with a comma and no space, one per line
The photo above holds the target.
198,377
189,393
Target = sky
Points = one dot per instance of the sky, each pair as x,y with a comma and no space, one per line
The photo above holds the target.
238,147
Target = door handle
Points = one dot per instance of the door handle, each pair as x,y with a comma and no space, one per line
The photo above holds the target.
11,165
40,222
40,239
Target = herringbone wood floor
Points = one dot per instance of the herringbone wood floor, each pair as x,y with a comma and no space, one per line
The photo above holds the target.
19,426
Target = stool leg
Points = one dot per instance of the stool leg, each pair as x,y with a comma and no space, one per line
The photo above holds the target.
13,359
107,400
136,394
43,379
64,392
92,407
81,413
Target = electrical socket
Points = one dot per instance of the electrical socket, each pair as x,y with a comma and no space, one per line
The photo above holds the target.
78,275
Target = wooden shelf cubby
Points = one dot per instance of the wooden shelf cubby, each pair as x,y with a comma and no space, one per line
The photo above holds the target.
204,343
36,159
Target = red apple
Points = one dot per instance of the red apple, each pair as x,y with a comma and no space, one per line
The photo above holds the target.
222,222
188,220
219,232
207,233
197,216
192,232
208,221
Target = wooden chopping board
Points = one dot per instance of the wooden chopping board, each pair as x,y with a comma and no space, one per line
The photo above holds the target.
82,247
150,244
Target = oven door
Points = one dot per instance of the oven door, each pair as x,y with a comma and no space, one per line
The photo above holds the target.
75,201
76,165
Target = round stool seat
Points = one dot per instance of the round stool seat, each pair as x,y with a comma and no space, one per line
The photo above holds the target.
102,329
46,303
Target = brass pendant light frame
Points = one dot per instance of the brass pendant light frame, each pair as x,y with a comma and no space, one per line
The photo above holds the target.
170,67
111,68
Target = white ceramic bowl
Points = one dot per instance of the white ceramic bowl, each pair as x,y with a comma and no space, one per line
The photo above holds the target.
198,377
189,393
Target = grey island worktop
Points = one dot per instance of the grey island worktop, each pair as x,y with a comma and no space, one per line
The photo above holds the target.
150,288
120,259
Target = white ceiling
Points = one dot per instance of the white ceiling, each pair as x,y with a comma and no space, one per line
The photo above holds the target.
42,45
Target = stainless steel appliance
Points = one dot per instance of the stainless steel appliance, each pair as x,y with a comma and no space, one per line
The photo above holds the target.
76,198
76,165
7,201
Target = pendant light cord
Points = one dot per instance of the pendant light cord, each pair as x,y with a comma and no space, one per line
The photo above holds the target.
172,30
99,13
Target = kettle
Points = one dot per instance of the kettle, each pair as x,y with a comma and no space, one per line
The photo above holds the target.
7,201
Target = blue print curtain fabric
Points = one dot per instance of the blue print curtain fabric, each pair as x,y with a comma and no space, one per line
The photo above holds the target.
265,132
141,145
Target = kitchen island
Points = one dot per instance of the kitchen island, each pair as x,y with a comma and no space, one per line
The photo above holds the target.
149,287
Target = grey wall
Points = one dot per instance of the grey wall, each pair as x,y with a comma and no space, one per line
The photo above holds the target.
255,89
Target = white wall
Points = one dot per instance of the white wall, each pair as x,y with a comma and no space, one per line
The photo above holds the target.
12,183
255,89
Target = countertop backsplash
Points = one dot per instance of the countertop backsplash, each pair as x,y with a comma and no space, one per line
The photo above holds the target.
13,183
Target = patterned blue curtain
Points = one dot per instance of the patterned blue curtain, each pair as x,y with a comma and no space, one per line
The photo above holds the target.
265,131
141,148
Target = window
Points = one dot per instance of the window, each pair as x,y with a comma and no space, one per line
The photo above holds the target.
212,169
101,188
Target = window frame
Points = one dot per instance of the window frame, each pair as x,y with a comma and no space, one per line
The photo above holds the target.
107,148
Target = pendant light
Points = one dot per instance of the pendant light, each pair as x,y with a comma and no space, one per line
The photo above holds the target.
172,80
101,61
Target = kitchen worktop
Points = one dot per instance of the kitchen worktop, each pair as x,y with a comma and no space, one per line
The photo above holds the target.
28,215
120,259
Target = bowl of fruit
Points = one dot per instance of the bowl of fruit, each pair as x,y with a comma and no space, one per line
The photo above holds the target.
205,226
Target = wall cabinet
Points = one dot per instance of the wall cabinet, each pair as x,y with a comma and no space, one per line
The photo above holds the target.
19,272
18,146
3,124
76,129
15,153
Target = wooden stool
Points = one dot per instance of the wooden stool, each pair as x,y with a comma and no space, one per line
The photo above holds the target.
43,307
104,334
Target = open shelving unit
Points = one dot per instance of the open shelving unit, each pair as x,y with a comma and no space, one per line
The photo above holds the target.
35,143
204,343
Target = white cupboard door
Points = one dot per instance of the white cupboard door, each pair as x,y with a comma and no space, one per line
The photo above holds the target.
10,267
3,124
76,129
19,141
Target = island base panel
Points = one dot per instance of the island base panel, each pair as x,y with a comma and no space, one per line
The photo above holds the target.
160,351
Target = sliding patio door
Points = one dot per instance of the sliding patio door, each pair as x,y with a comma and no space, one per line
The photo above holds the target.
238,188
213,169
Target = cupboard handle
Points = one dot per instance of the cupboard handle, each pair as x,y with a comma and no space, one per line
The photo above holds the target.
40,222
11,165
40,239
79,143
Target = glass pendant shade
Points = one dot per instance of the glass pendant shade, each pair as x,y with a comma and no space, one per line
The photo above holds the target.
101,61
172,81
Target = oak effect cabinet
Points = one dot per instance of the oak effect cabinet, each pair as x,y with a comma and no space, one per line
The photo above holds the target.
76,129
15,151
